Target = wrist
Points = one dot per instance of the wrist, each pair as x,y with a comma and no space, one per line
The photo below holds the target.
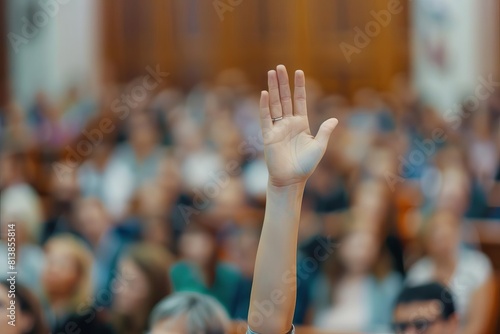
284,202
286,189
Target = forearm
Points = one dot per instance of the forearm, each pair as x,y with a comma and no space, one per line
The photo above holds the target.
274,287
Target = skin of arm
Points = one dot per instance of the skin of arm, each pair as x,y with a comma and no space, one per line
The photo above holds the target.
479,313
291,154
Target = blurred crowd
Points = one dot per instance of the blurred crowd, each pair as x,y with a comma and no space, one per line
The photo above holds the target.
121,199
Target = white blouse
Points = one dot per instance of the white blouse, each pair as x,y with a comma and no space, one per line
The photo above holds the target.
473,269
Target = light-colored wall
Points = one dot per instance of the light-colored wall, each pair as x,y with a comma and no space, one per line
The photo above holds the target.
62,53
470,51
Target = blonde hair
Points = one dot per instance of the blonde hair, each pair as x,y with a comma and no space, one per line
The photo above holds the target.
21,204
83,258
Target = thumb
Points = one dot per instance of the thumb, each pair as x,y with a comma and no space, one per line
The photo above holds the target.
325,130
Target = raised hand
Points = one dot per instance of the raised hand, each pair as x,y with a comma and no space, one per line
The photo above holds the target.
291,152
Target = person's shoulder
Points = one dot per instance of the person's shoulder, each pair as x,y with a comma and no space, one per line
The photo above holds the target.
321,291
420,272
393,279
475,263
181,267
227,267
32,254
184,274
115,165
121,151
87,322
387,286
423,264
474,256
229,271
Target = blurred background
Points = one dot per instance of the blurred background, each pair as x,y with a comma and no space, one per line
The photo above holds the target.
131,157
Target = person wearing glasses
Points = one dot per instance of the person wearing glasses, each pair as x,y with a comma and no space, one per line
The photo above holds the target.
427,308
292,154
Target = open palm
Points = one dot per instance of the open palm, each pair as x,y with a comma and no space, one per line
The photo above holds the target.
291,152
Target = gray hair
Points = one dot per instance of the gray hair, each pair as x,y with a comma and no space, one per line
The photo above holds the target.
204,314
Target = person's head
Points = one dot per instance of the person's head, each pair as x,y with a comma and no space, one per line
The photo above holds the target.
187,134
168,176
371,202
92,219
157,231
11,168
64,187
189,313
442,235
66,276
144,272
198,244
26,311
103,152
143,134
151,199
359,251
427,308
380,161
243,249
22,206
230,200
227,141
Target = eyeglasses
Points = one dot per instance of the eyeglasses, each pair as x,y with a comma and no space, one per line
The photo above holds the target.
421,325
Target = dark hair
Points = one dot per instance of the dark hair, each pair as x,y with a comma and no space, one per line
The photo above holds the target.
199,227
429,292
29,304
154,261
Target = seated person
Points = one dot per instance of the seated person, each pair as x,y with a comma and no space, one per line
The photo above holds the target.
427,308
22,312
358,288
142,281
189,312
467,272
67,285
200,269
